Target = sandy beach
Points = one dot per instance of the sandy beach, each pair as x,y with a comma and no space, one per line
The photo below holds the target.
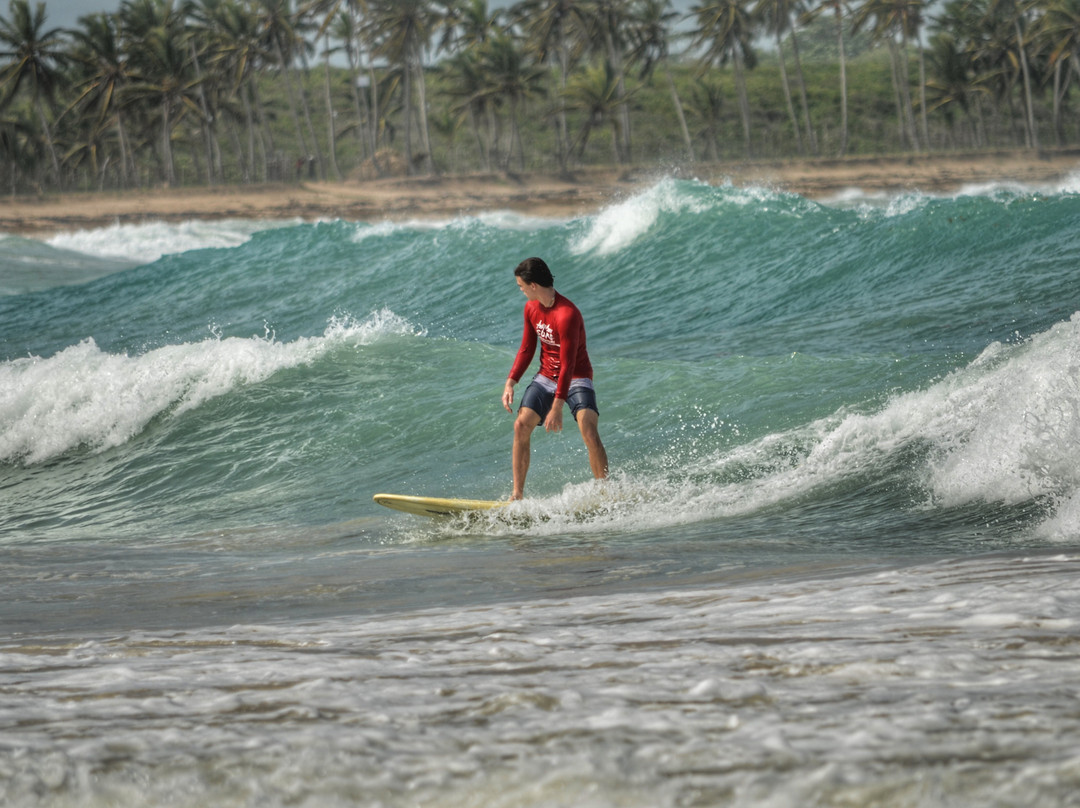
587,190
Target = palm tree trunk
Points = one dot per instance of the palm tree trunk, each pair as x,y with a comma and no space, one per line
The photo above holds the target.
922,97
305,107
680,113
494,147
843,80
407,91
517,142
286,75
331,124
169,165
213,167
786,85
744,102
121,137
373,83
898,99
425,132
583,138
49,140
481,143
330,114
1033,135
233,135
266,136
248,164
810,134
562,127
622,114
1057,102
358,101
905,92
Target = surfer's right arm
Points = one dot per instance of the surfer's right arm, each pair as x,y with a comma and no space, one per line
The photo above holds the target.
521,361
508,395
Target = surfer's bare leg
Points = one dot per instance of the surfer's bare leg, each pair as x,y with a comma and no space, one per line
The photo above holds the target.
527,420
587,421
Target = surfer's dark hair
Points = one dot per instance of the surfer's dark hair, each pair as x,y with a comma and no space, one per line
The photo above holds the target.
534,270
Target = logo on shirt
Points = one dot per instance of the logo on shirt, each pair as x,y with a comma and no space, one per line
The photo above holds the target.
545,333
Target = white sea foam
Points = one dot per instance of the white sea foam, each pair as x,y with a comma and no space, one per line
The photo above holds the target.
1004,429
618,226
496,219
903,201
86,397
145,243
957,688
1070,184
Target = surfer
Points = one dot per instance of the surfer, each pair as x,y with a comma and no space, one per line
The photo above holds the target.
565,375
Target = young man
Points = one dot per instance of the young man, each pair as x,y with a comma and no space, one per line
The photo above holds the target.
565,375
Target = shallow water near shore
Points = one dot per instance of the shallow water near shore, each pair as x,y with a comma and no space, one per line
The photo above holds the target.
835,562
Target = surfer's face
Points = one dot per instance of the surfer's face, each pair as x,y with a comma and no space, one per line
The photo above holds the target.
530,290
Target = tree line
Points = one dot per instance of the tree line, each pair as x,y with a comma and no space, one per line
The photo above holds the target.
214,91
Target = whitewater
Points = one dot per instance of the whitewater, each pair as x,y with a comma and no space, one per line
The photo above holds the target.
835,563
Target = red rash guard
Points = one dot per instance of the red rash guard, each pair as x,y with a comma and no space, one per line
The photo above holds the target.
561,331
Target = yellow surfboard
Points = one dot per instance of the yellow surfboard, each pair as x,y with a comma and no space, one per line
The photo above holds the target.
435,506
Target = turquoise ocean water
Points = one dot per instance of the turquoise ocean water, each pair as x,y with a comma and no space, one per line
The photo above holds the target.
836,562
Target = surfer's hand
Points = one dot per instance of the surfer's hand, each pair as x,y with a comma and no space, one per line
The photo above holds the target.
508,396
553,422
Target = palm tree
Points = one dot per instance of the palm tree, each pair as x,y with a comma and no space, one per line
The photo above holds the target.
239,58
913,25
37,54
282,34
887,19
331,113
344,29
705,105
595,92
1060,30
838,8
993,42
17,150
474,23
486,69
157,37
105,77
469,29
468,84
554,30
401,31
777,17
608,22
982,42
206,45
512,80
1015,12
344,21
725,31
953,84
651,34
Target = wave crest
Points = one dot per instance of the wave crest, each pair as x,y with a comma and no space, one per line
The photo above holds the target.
83,397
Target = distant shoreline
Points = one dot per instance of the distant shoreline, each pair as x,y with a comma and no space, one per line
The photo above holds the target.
585,191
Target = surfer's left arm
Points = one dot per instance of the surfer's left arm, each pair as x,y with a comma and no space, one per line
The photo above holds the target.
553,422
568,348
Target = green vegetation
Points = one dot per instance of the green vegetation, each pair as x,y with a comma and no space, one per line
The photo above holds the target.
244,91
